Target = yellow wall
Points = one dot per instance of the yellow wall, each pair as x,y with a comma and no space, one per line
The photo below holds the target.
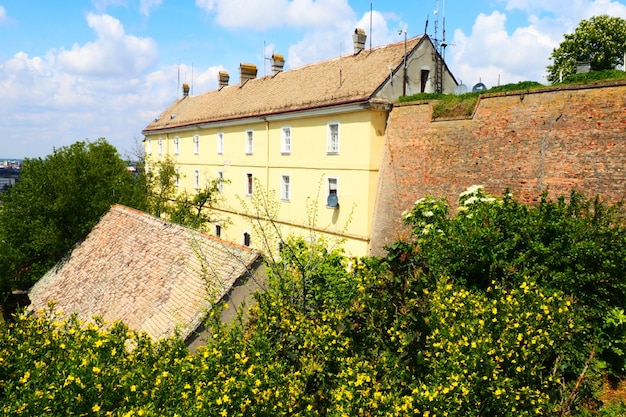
308,166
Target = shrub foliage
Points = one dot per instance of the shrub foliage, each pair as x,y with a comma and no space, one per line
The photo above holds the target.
499,310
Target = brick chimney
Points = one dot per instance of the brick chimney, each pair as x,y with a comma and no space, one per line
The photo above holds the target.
223,78
278,62
185,90
247,72
359,38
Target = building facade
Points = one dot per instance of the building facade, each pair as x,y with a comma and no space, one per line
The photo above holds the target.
309,140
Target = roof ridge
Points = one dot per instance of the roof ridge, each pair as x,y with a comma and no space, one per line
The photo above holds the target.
138,213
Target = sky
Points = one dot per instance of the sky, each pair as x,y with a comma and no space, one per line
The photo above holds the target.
77,70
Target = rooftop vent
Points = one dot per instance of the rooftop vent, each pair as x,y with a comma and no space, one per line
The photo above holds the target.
278,62
359,37
247,72
223,78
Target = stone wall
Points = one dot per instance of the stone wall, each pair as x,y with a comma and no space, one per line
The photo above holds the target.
552,139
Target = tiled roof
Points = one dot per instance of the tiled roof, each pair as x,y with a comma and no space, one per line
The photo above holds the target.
345,79
154,276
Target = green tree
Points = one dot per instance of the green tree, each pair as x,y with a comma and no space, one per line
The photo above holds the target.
182,207
601,41
56,203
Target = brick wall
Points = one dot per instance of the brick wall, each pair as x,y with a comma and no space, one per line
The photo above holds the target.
553,139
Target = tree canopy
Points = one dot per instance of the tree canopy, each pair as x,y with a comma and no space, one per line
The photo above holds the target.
600,41
56,203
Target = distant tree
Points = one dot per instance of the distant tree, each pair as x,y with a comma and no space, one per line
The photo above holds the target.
56,203
600,41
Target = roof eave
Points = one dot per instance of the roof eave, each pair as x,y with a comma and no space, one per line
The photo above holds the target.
360,103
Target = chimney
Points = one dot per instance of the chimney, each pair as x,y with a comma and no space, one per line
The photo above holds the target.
278,62
223,79
247,72
185,90
359,38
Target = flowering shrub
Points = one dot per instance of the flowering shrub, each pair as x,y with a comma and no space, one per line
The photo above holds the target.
477,315
500,351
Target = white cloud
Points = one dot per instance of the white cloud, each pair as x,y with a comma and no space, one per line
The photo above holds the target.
301,14
114,53
100,89
3,15
146,6
492,54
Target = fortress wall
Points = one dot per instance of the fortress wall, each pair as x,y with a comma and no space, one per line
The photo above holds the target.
552,139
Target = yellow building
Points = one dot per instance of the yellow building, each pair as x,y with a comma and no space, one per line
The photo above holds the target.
312,135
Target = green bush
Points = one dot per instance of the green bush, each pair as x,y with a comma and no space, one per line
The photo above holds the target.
491,312
575,245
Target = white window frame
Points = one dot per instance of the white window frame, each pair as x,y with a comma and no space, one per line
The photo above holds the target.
285,187
160,146
196,144
176,145
249,142
332,142
285,143
249,183
196,179
220,143
220,181
149,147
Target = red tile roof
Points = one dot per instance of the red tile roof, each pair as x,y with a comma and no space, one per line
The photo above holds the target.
346,79
153,275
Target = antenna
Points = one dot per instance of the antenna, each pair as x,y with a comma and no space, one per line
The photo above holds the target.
426,26
191,79
178,80
371,13
439,51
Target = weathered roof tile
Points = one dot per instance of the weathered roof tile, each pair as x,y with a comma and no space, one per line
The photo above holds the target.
146,272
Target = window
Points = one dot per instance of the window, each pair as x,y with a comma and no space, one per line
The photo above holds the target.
220,181
196,179
286,140
246,239
285,188
160,146
196,145
177,177
249,142
332,200
424,79
218,230
249,183
332,185
220,143
176,145
333,138
149,147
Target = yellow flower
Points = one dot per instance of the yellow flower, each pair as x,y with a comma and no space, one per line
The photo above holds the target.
95,408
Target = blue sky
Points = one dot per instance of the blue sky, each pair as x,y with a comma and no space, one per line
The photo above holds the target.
73,70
